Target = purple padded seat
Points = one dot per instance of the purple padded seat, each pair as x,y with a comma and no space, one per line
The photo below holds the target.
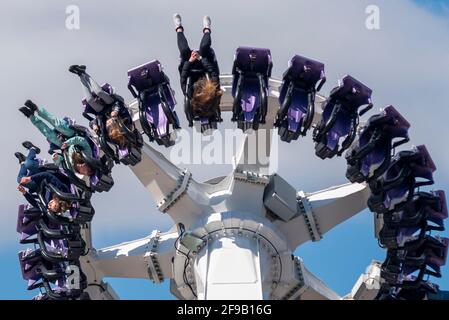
125,116
408,170
432,253
340,117
101,180
65,249
27,219
297,92
151,87
423,207
106,87
251,71
371,154
32,265
81,210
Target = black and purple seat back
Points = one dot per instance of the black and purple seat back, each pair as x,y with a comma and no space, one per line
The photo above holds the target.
101,180
431,253
251,71
129,152
35,268
51,278
408,170
412,220
297,97
94,105
61,249
149,84
371,154
340,117
207,123
438,213
27,219
30,262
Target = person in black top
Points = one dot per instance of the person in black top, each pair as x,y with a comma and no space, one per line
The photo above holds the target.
202,68
33,182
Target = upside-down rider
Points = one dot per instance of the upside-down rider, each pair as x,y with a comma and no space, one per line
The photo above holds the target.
108,107
61,136
204,91
30,185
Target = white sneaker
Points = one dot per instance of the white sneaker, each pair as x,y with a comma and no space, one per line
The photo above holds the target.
206,22
177,20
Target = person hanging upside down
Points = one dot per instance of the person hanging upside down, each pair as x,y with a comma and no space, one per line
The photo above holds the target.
202,68
29,164
33,182
61,136
97,98
105,105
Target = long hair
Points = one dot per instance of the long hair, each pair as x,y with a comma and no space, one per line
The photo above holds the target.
77,158
115,133
206,97
62,205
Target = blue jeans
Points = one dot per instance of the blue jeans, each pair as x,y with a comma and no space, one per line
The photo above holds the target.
28,168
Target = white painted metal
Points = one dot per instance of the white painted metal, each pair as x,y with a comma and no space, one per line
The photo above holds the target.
245,252
368,284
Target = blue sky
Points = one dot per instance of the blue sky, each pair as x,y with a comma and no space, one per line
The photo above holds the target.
388,60
440,7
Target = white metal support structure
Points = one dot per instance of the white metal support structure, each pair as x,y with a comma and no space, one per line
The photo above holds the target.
231,245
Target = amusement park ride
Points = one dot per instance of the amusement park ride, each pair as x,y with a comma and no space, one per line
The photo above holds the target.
234,237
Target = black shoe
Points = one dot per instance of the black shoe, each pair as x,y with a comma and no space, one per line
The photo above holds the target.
28,145
76,69
20,156
31,105
26,111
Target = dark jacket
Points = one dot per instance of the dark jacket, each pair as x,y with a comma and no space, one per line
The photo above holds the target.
204,65
31,200
51,179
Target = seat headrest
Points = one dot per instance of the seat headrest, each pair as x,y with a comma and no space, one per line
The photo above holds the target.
253,59
146,75
307,70
352,92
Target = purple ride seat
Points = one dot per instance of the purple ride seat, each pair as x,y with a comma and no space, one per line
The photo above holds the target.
425,212
27,219
87,103
407,268
408,170
81,210
251,72
49,276
340,117
101,180
132,155
297,97
149,84
432,253
58,250
371,154
34,268
60,292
